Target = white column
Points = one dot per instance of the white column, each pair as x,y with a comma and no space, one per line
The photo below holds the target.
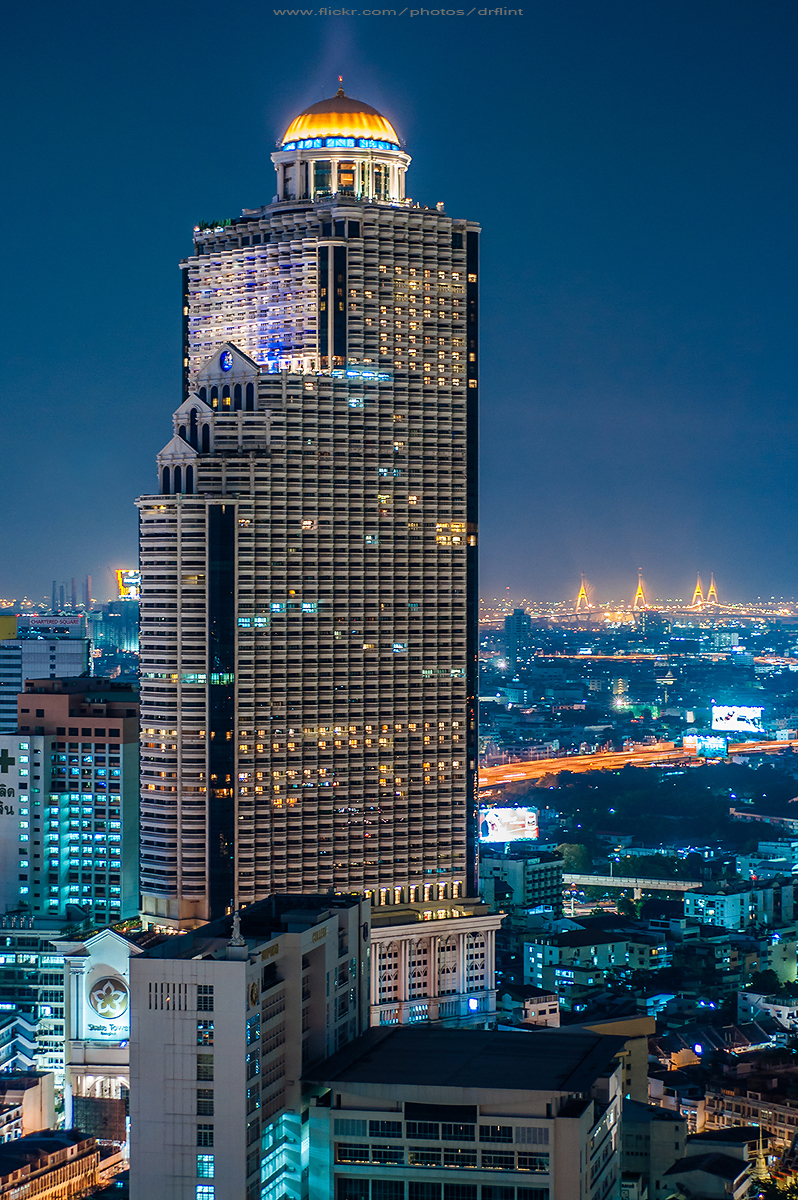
403,969
433,982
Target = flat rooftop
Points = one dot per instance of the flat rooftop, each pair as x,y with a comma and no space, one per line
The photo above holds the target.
553,1060
260,922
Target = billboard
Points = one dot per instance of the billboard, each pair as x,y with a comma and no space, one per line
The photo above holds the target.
709,746
731,718
508,824
129,584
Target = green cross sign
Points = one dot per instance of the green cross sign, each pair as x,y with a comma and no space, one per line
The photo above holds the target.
5,761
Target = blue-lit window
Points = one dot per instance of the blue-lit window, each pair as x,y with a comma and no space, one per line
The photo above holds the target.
205,1166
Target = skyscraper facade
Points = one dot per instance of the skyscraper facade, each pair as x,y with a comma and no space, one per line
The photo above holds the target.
308,604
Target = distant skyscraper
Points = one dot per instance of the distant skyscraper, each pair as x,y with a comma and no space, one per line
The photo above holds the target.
517,635
309,605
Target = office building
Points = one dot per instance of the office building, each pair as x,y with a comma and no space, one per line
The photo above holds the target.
308,558
53,1164
69,832
41,648
531,881
223,1021
450,1114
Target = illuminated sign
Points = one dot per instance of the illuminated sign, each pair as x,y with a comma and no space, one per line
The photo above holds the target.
508,824
707,746
359,373
342,143
109,997
129,584
734,719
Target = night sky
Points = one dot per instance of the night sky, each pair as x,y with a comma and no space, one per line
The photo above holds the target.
633,165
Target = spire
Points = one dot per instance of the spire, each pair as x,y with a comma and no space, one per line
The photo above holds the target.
698,595
583,598
340,91
639,601
712,594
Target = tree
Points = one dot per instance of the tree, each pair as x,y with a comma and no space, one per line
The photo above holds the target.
576,859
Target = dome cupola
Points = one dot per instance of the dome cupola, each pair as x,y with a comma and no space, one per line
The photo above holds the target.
341,147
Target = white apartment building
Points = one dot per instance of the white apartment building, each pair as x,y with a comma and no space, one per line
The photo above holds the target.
451,1114
223,1021
308,605
433,963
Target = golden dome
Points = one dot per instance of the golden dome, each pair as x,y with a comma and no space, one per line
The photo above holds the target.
341,117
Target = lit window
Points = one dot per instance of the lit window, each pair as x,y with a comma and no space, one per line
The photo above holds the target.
205,1166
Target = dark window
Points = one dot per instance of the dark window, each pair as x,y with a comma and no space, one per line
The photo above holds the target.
530,1193
73,730
458,1133
237,396
60,729
387,1189
340,226
178,477
385,1129
39,712
351,1189
189,480
354,229
495,1133
326,226
111,732
165,477
204,1102
425,1191
205,997
205,1067
459,1191
206,439
203,393
457,241
423,1129
205,1135
250,401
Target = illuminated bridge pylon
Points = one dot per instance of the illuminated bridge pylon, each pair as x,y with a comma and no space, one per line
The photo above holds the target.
583,599
639,602
712,594
698,595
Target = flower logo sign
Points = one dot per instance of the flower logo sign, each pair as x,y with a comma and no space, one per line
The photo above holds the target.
109,998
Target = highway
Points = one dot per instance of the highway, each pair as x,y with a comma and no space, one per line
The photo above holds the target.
609,761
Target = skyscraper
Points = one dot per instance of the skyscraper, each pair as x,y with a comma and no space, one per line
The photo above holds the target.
308,606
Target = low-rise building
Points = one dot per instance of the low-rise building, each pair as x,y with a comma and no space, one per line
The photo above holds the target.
531,880
653,1140
33,1093
432,962
453,1114
49,1165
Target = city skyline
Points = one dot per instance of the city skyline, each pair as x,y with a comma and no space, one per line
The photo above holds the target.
643,249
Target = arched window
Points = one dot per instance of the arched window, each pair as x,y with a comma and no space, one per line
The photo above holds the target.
192,427
250,405
178,478
237,397
203,393
206,439
182,432
226,396
189,480
165,482
214,397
